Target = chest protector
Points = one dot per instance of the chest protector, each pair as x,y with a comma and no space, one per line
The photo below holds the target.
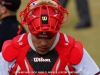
70,53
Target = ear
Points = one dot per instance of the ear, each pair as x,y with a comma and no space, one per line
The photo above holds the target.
3,9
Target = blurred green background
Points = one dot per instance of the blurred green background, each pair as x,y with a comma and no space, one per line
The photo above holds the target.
90,37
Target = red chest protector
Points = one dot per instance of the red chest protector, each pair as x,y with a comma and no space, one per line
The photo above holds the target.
70,53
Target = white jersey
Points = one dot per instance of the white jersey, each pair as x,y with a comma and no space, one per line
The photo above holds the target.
86,67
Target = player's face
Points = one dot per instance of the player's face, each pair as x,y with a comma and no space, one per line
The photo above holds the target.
43,45
2,11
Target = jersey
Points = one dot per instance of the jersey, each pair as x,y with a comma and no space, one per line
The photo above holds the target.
9,27
68,52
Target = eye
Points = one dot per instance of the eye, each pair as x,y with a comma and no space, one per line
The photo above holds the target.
44,38
50,38
38,38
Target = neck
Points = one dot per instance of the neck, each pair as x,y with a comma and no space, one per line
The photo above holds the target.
9,13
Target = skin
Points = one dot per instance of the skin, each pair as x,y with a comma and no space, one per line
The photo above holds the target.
43,45
1,11
4,12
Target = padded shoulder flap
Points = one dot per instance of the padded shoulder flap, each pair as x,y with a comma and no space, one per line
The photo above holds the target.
11,48
76,53
65,43
72,47
9,52
20,41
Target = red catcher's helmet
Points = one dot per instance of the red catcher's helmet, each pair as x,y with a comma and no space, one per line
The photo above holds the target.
43,17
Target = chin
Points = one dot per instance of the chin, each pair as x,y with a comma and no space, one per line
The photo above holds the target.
42,53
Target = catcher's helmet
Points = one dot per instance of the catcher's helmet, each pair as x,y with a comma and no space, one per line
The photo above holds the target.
43,17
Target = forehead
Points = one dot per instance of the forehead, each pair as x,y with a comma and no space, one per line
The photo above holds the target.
44,36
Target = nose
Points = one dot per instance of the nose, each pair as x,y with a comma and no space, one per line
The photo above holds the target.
44,42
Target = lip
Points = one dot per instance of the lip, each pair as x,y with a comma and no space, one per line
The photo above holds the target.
43,49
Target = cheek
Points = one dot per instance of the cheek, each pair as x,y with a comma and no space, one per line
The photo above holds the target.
36,43
0,12
50,42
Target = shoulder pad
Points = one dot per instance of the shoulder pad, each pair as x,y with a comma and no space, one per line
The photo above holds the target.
11,48
65,42
75,48
71,40
9,52
66,39
20,40
76,53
